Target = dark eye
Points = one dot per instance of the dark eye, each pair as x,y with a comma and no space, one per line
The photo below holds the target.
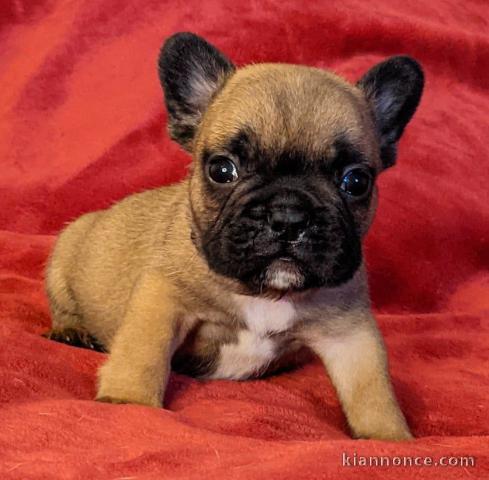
356,182
222,170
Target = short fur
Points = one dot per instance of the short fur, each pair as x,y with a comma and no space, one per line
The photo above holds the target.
197,276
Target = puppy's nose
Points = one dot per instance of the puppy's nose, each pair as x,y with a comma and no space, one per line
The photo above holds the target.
288,222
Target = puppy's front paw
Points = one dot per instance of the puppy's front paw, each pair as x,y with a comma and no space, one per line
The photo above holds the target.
107,399
388,434
120,397
380,425
118,384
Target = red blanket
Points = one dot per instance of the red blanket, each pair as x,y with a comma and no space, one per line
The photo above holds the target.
82,125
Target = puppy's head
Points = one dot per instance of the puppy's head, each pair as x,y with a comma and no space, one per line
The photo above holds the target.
282,187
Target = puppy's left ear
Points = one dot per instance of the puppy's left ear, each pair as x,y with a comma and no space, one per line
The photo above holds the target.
393,89
191,71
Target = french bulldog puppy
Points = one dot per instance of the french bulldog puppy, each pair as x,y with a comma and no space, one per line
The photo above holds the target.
255,258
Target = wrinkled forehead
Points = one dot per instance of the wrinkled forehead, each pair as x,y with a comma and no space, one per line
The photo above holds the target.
285,107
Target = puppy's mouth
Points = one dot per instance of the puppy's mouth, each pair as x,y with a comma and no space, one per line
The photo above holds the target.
283,274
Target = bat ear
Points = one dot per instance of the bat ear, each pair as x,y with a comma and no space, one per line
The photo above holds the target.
191,72
393,89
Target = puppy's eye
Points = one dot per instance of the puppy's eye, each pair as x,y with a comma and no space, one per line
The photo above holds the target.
222,170
356,182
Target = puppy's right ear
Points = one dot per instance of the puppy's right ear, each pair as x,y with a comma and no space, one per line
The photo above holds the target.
191,72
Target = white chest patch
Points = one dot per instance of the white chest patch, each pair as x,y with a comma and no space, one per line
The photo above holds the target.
254,349
251,354
263,316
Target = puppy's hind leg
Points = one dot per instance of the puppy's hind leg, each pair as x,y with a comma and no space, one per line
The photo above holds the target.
67,320
76,337
67,323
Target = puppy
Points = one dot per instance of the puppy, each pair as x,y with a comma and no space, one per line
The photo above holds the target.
256,257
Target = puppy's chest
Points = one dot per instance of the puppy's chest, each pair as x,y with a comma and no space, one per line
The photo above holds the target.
260,343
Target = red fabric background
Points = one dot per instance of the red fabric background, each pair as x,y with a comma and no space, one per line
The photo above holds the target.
82,125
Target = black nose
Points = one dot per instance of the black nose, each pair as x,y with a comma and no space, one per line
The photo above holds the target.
288,222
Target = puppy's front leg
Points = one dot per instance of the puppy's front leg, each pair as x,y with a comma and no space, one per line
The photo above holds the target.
139,363
357,365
